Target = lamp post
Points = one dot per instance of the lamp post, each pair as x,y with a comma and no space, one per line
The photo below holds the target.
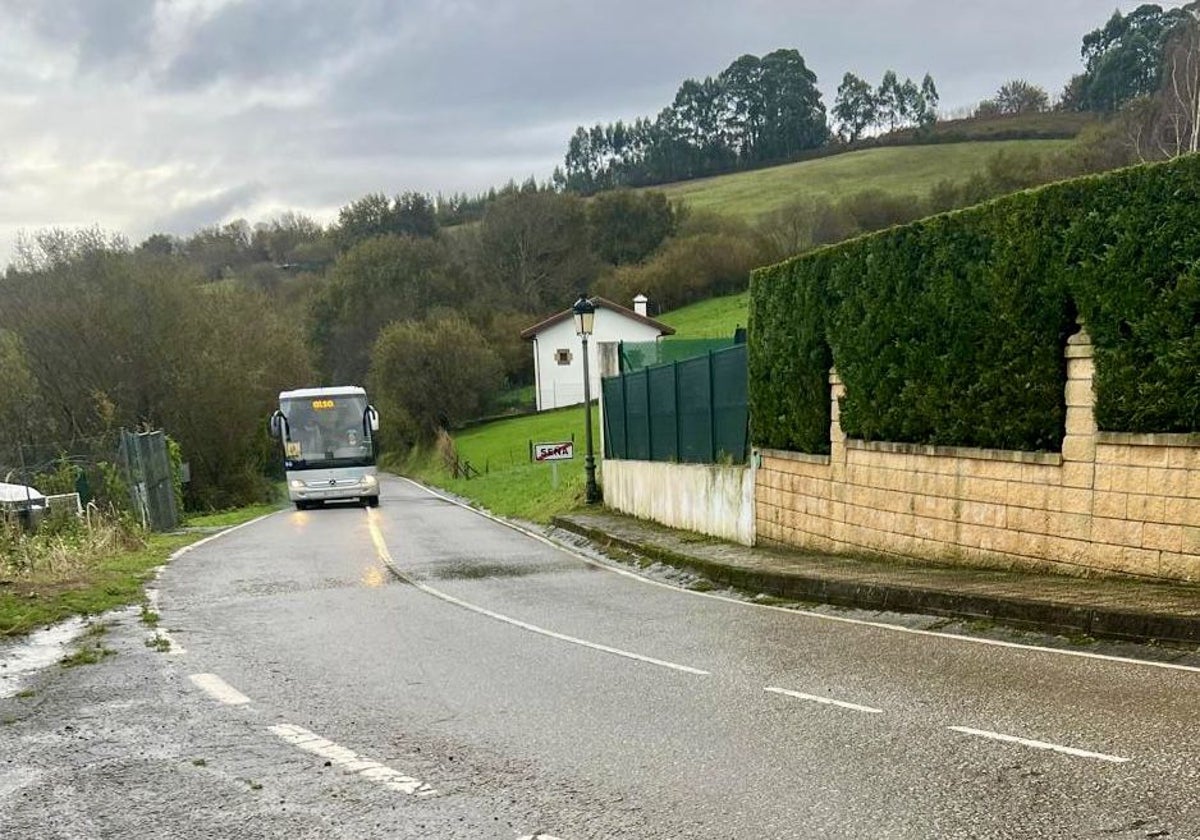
585,318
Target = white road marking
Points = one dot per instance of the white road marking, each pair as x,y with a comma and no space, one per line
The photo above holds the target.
386,557
537,837
1039,745
879,625
217,688
828,701
350,761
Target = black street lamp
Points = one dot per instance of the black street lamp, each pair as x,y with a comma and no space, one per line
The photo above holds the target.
585,318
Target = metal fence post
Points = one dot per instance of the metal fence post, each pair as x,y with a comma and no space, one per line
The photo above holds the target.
712,410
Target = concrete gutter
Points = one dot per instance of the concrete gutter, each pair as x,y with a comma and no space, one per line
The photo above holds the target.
1128,610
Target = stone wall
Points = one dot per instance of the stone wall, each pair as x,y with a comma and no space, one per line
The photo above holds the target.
1108,503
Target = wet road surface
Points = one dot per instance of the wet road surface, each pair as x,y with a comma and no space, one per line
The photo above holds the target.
418,670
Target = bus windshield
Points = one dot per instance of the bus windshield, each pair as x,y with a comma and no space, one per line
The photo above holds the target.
327,431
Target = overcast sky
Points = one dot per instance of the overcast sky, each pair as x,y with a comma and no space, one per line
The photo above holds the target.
145,116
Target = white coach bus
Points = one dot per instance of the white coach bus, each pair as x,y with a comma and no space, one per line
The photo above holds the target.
328,437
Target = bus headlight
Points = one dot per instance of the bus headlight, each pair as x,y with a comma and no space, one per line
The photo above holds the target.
297,484
369,481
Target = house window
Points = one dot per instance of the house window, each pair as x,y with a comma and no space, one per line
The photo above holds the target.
563,357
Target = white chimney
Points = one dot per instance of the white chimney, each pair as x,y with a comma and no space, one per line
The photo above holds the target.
639,305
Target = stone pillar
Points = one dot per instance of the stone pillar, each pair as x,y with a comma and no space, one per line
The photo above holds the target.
1079,443
837,438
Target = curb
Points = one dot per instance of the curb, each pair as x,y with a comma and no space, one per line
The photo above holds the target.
1023,613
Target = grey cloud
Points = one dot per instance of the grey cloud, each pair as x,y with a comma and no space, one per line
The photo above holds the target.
191,217
112,36
261,41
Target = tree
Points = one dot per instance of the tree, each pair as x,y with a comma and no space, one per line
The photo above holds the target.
889,101
795,117
1124,57
1021,97
222,250
929,102
532,251
379,280
290,238
117,338
745,108
854,108
626,227
434,374
1167,124
988,108
409,214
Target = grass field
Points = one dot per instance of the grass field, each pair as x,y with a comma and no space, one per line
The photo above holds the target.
897,171
509,483
713,318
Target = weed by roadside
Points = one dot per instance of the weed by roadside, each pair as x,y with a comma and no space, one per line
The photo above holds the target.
88,654
159,643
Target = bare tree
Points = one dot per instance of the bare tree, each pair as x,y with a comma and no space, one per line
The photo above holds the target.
1178,128
1021,97
1167,124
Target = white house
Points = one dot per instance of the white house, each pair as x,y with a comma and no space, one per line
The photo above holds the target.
557,350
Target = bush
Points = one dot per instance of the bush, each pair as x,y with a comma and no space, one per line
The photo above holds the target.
431,375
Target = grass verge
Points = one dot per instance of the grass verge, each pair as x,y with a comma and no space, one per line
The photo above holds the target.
104,583
509,483
64,576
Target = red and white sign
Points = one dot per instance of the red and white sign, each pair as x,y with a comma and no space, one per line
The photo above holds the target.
563,451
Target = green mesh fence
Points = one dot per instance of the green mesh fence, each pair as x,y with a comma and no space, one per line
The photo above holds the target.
691,410
636,355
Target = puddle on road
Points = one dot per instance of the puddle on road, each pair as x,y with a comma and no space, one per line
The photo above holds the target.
479,571
473,572
39,650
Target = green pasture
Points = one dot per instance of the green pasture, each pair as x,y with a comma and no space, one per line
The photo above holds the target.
712,318
508,483
905,170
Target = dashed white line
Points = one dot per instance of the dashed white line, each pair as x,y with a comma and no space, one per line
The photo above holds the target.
1039,745
350,761
386,557
217,688
828,701
538,837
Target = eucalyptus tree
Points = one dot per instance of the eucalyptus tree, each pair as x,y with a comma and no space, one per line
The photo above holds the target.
854,108
1124,58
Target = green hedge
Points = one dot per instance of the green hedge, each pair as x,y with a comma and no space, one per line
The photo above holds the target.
951,330
1133,255
788,356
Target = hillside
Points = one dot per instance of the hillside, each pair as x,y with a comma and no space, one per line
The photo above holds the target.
904,170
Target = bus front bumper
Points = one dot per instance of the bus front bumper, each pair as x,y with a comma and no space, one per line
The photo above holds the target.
332,489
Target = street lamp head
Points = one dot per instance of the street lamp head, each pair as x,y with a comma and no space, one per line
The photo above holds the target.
585,316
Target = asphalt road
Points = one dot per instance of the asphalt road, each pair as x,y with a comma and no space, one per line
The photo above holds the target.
419,670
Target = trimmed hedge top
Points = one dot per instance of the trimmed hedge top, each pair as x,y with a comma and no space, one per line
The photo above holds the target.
951,331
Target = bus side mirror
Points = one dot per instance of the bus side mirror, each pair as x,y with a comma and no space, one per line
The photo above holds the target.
278,424
371,419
